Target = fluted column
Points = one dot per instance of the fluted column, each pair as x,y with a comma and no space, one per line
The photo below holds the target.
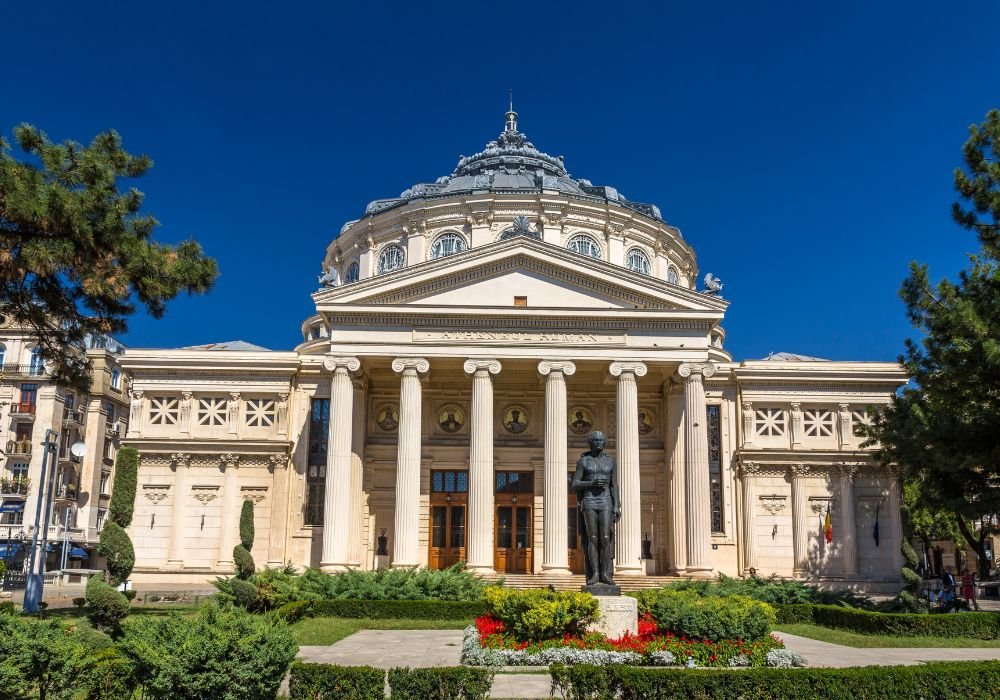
555,534
175,554
748,472
676,483
848,530
628,543
407,521
479,522
230,521
800,520
699,514
355,545
337,497
894,504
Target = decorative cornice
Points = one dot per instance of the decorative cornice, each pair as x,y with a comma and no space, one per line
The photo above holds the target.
491,366
750,469
155,492
546,367
401,364
773,503
629,367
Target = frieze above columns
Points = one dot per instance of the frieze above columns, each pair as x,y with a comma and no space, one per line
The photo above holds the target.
228,460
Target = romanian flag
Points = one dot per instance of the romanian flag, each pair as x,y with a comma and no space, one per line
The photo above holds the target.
828,527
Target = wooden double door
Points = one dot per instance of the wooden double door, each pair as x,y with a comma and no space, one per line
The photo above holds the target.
447,535
513,526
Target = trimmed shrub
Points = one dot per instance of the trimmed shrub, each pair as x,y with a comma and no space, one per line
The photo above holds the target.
326,682
7,608
115,545
685,612
106,607
123,490
396,609
40,659
243,561
771,590
244,594
534,615
454,683
969,680
109,676
117,549
246,525
976,625
220,653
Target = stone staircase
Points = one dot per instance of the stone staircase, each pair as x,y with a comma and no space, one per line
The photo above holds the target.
574,582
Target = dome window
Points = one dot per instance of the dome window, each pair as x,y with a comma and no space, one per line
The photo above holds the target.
584,245
637,261
390,259
353,273
672,276
447,244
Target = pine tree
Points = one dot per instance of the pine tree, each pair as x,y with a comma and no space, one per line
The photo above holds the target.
945,428
75,252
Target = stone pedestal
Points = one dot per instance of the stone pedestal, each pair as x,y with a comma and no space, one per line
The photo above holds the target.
618,615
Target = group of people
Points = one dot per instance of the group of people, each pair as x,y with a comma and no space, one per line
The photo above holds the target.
955,595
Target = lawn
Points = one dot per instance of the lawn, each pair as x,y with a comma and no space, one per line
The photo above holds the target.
853,639
321,631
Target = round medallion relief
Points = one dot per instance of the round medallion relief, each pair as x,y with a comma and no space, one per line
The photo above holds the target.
647,421
581,420
387,418
515,419
451,418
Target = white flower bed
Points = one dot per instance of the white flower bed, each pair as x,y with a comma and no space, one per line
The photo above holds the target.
785,658
473,654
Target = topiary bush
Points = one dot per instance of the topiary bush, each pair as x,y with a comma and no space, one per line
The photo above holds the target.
772,590
458,682
323,682
535,615
106,607
244,594
115,545
123,492
246,525
242,559
712,618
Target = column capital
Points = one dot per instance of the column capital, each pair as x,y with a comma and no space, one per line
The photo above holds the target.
333,362
546,367
801,470
692,370
749,469
618,368
401,364
491,366
847,470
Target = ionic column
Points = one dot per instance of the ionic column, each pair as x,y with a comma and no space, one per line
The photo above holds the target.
848,530
748,472
479,530
230,521
355,546
407,518
175,554
800,520
337,496
277,554
676,483
555,534
697,491
628,544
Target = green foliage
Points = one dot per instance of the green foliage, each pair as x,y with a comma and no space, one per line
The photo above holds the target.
3,569
454,683
244,594
106,607
534,615
944,429
771,590
42,658
123,490
7,608
976,625
243,561
226,654
384,609
326,682
246,525
110,676
969,680
276,587
293,612
77,253
713,618
117,549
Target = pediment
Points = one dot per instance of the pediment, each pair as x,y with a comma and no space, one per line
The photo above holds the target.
492,276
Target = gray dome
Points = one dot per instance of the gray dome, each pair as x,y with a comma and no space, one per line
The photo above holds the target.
510,163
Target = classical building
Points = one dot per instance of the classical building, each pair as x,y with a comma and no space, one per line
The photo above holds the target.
469,334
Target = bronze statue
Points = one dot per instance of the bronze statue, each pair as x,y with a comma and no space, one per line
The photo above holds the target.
596,486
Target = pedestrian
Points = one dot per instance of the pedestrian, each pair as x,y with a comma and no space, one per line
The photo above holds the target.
969,587
948,579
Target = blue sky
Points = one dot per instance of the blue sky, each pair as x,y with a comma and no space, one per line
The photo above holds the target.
804,149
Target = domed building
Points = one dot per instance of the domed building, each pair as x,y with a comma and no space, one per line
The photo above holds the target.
469,335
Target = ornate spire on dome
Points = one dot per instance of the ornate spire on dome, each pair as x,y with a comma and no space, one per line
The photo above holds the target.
511,116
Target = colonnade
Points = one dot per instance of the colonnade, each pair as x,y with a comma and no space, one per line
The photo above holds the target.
689,479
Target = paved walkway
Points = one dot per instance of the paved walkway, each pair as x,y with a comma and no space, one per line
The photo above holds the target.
424,648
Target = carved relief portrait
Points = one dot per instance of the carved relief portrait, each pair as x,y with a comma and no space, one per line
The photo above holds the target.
647,421
515,419
581,421
451,418
387,418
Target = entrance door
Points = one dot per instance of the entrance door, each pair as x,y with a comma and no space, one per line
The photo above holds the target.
513,550
447,536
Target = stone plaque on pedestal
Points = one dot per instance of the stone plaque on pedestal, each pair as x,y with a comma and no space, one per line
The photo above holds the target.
618,615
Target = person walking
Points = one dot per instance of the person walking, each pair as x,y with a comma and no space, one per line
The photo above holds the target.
969,588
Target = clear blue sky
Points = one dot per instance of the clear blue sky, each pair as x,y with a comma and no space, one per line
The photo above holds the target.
804,149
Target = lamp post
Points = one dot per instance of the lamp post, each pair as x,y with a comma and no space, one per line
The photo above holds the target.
36,579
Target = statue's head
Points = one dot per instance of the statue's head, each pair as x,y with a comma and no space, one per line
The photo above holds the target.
597,440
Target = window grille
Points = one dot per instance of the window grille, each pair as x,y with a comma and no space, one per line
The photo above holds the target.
672,276
715,465
770,422
391,258
860,419
261,413
319,428
447,244
637,261
212,411
164,410
584,245
353,273
818,423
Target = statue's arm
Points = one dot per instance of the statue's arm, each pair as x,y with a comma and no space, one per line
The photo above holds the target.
579,484
616,503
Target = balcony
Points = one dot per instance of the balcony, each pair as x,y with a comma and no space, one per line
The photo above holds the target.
18,449
15,487
73,417
66,492
23,371
24,410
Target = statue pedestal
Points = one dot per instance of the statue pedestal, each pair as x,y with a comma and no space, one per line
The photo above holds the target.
618,614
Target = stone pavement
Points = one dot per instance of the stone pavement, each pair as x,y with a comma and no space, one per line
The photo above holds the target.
424,648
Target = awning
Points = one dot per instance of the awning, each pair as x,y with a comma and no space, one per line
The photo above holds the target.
15,507
77,553
8,550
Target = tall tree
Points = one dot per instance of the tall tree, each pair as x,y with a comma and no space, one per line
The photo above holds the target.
945,428
76,255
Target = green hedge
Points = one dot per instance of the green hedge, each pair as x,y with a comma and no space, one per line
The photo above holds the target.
968,680
325,682
384,609
976,625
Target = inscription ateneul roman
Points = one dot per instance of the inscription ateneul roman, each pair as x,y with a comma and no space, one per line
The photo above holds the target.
525,337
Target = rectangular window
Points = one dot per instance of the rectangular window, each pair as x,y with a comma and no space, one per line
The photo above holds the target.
164,410
515,482
520,301
449,482
261,413
818,423
212,411
319,428
101,515
770,422
105,483
29,397
109,409
859,420
714,423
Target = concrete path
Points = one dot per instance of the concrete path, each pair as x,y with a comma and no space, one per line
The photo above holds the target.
825,655
389,648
